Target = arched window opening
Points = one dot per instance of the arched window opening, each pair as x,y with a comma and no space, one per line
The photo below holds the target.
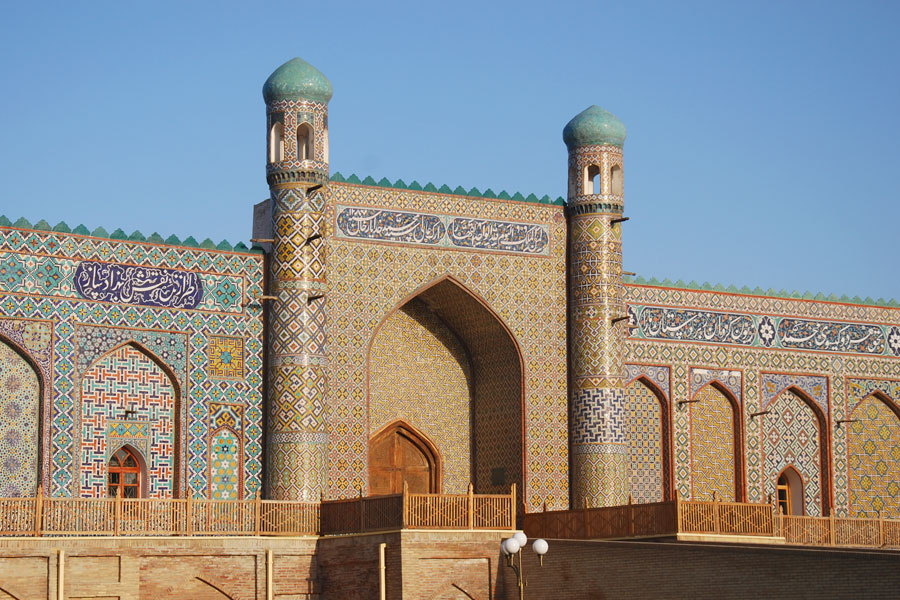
276,143
615,178
592,180
305,142
789,492
325,141
124,474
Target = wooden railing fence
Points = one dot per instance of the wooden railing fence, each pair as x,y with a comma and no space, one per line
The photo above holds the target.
839,531
200,517
655,519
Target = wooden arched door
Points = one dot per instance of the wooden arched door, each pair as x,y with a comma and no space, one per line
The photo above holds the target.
397,454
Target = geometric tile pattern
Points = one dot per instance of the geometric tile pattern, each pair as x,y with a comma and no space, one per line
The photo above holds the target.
645,442
225,451
20,404
226,357
38,291
712,446
127,383
791,438
815,387
431,393
873,459
526,293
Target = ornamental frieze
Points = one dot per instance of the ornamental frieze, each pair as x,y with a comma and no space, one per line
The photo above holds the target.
767,331
423,229
129,284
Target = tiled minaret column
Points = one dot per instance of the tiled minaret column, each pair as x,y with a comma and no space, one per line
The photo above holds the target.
599,447
297,96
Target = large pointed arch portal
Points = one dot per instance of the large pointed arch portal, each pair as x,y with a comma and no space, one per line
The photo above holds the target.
446,365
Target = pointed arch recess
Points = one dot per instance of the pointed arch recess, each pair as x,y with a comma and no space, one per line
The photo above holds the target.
873,440
824,454
737,442
173,451
20,450
490,345
667,484
795,478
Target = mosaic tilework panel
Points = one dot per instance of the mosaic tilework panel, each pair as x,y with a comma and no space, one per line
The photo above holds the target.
127,384
771,331
526,292
19,417
34,338
731,380
834,382
815,388
873,460
419,372
659,375
604,472
297,356
38,298
791,437
225,451
120,284
598,416
226,357
441,230
645,443
712,446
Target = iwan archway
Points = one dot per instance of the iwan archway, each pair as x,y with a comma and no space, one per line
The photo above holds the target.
446,366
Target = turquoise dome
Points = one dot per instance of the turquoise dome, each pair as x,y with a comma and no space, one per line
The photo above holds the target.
594,127
297,80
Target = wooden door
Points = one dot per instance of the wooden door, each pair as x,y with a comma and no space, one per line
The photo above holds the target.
396,455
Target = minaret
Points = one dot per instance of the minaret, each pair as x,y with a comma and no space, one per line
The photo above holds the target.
297,96
599,447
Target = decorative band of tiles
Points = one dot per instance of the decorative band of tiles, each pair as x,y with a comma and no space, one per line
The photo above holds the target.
423,229
129,284
768,331
298,360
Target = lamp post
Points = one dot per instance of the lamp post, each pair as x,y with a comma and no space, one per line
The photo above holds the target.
512,547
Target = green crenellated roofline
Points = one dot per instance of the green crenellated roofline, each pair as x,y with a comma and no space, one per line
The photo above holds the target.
445,189
758,291
136,236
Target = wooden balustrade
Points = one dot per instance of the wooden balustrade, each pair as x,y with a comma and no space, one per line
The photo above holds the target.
419,511
839,531
191,516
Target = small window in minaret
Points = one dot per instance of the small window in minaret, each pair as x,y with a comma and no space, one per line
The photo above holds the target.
305,142
276,143
615,179
592,180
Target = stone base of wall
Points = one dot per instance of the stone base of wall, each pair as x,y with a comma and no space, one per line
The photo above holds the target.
418,564
430,565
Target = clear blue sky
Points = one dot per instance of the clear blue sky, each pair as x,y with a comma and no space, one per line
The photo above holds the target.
763,137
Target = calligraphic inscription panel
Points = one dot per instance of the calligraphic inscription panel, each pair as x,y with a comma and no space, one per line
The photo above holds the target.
766,331
129,284
442,231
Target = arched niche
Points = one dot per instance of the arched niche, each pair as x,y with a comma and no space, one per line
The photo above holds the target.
305,142
129,396
716,445
873,458
649,441
795,433
454,329
21,410
276,142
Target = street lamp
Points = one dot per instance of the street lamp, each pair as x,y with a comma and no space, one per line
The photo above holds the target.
512,547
